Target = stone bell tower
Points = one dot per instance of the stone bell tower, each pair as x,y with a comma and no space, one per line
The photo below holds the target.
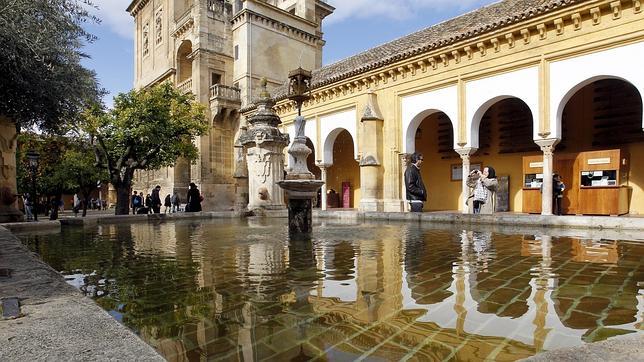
219,50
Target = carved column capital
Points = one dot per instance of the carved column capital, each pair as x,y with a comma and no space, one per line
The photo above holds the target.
547,146
465,152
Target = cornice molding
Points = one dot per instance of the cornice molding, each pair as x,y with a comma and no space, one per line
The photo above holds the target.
136,6
246,15
529,34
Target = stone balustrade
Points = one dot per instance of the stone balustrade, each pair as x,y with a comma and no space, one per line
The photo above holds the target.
185,86
223,92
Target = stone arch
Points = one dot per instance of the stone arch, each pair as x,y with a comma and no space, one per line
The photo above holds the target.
570,75
184,64
415,108
331,126
482,93
329,141
579,86
410,132
480,112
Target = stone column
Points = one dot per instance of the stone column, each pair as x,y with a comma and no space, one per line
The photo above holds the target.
8,187
240,175
548,148
465,190
323,168
371,172
404,163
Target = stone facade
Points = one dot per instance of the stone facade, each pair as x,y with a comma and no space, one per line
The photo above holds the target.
508,80
219,50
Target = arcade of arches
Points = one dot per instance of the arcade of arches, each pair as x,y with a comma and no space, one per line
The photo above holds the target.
605,114
562,99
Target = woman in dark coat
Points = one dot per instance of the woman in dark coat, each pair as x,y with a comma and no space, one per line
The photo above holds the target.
194,199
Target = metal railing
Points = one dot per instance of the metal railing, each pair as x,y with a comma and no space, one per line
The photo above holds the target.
225,93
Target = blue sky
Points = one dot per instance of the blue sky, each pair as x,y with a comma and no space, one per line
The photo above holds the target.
355,26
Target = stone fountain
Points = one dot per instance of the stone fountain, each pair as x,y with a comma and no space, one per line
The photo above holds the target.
300,184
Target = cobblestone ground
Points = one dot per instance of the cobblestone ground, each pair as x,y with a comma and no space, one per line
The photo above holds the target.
57,322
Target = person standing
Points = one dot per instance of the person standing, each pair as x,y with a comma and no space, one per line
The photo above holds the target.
29,204
156,200
137,202
416,192
167,203
175,201
77,204
148,203
558,188
483,186
194,199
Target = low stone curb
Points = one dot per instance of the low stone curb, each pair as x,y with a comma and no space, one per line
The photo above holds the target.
577,222
57,322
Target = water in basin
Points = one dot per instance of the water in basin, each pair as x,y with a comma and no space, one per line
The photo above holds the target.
239,290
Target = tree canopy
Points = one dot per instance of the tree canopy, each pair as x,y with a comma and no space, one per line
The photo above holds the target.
147,129
66,166
42,82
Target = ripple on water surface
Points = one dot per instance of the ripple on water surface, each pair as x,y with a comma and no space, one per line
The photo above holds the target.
240,290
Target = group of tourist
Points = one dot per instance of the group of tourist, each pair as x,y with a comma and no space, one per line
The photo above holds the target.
172,203
482,184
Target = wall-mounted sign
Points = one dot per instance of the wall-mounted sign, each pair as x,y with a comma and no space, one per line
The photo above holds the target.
457,170
536,164
599,161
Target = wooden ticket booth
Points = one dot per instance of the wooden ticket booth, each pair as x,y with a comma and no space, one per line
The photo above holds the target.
563,164
603,178
596,182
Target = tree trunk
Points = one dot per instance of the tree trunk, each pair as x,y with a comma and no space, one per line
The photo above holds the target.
122,199
85,202
123,189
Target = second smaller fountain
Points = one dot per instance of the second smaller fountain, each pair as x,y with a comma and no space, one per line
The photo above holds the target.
300,184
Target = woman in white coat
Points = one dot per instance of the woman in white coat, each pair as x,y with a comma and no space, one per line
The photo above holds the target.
483,187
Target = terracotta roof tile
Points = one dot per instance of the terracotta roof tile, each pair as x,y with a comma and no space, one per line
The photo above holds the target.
479,21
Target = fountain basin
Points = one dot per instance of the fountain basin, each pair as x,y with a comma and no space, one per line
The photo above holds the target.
301,189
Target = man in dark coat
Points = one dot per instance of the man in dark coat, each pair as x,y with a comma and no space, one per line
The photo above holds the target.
156,200
416,192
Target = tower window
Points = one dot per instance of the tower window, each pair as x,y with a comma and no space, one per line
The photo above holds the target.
215,79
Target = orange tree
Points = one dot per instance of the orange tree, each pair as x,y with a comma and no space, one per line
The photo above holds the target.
147,129
66,166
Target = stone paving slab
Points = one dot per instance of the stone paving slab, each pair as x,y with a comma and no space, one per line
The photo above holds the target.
58,323
627,348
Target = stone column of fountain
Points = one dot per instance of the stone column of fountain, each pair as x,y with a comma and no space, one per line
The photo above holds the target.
300,184
264,146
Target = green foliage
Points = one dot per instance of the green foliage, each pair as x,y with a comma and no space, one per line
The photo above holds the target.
48,178
80,170
42,82
66,165
147,129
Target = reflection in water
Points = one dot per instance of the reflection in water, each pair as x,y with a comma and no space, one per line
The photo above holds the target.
241,290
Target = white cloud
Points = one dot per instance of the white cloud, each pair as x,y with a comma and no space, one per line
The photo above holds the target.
113,15
395,9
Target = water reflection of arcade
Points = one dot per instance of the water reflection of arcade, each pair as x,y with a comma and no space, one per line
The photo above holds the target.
269,300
